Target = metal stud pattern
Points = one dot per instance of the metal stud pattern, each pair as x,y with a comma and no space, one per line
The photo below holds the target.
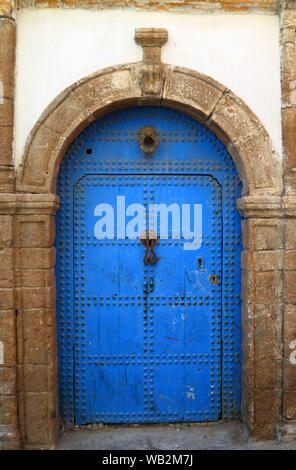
144,343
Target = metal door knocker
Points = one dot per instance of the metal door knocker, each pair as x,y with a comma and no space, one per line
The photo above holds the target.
148,238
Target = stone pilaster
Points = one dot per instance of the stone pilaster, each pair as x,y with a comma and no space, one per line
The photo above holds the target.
9,431
289,323
262,278
36,320
288,42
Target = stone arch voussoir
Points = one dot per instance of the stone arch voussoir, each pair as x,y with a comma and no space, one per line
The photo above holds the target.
121,86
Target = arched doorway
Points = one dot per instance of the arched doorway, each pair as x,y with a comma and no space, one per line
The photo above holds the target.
261,206
140,342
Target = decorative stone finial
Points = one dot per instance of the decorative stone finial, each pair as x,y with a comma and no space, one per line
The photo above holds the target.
151,75
151,40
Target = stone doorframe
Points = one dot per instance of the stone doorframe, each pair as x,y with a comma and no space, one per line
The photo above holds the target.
34,204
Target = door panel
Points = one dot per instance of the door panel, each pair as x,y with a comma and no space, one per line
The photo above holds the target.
143,343
160,315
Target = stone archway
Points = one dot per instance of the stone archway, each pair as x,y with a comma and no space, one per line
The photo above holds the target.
148,82
121,86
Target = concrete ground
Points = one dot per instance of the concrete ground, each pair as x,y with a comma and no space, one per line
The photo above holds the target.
206,436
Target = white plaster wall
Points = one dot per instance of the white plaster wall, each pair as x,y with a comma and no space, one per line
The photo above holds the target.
57,47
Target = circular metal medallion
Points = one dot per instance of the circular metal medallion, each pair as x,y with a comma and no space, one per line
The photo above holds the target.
148,140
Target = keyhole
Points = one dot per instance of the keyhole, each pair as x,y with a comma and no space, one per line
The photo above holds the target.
201,263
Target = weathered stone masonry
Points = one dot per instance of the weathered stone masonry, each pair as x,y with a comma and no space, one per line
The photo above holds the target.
288,37
28,377
8,370
241,6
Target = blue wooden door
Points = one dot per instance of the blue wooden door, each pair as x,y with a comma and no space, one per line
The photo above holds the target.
138,342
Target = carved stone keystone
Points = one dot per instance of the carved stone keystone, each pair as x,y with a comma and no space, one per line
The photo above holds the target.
151,40
151,75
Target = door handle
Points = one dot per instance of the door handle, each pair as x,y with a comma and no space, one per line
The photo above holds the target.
148,238
150,258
